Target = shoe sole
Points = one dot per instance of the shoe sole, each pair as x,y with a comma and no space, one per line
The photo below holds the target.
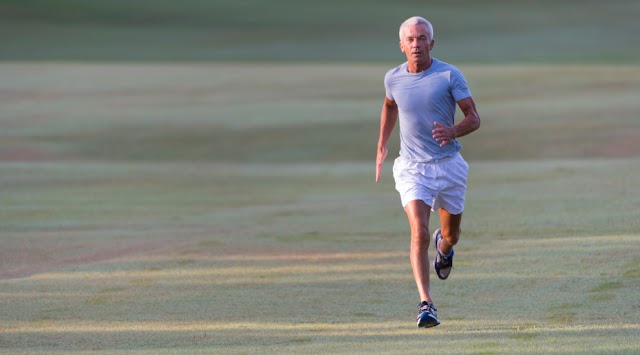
443,274
431,324
428,325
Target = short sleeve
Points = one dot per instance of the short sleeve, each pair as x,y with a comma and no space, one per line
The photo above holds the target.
387,87
459,88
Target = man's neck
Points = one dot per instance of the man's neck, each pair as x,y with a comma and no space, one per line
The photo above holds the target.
419,67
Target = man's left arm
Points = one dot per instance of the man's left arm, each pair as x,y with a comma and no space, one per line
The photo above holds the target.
470,123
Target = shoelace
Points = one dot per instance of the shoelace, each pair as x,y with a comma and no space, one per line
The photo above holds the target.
426,307
444,261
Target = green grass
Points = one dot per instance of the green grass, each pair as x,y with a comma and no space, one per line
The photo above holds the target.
302,267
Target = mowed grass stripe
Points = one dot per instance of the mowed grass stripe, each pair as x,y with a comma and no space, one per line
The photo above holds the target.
349,267
326,329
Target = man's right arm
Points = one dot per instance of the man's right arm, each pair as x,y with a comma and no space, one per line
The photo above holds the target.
388,119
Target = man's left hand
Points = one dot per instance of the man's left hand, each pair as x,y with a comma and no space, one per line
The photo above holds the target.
443,134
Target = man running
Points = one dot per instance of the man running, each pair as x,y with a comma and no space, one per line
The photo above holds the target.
430,173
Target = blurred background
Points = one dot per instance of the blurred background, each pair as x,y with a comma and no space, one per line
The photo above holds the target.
302,80
570,31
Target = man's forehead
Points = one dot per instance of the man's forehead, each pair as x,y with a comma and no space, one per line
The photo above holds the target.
415,30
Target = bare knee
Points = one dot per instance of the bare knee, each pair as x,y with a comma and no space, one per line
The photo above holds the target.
418,215
420,238
450,235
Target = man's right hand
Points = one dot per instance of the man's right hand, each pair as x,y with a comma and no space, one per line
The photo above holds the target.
381,156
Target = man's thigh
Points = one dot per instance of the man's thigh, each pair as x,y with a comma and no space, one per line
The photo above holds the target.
418,213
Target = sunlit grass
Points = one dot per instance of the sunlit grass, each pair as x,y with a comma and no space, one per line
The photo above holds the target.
326,329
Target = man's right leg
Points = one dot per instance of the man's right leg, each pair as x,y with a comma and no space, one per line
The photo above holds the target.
418,213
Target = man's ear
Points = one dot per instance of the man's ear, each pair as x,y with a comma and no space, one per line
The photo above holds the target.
432,43
401,47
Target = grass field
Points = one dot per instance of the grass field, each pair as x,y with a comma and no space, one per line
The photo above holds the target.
162,208
172,258
198,177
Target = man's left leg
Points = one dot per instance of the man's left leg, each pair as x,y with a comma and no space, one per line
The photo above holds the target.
445,238
450,230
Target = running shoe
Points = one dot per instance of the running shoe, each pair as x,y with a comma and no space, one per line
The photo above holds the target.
427,316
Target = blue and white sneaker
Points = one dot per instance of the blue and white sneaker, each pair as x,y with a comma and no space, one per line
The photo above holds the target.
427,316
442,263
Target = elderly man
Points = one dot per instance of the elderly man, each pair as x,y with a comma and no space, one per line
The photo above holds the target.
430,173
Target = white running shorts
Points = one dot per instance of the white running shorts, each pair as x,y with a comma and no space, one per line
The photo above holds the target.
440,184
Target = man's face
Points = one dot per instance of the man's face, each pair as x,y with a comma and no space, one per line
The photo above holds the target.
416,43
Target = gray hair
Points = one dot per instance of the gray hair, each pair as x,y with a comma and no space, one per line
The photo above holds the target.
417,20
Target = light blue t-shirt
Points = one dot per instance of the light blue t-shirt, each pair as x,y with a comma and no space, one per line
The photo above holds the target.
422,99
